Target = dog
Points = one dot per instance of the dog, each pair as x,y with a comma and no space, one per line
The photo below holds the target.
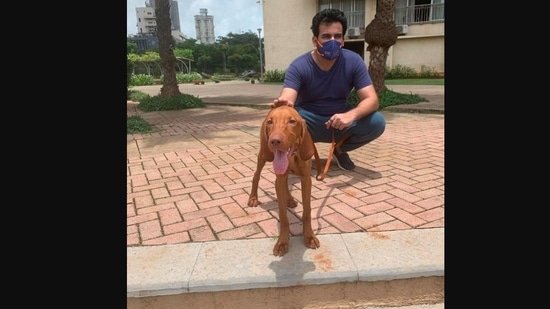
286,141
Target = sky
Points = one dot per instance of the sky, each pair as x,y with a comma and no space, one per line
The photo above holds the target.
237,16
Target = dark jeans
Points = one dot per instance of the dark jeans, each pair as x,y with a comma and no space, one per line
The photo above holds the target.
361,132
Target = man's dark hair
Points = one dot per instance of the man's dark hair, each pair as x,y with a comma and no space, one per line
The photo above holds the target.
329,16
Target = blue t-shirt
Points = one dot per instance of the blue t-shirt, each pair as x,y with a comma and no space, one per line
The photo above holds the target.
326,93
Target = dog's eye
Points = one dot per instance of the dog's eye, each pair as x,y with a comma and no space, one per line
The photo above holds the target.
270,121
292,121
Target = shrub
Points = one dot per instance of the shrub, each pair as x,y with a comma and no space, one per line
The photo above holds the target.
136,124
274,76
129,70
353,99
188,78
141,80
184,78
403,72
388,98
222,77
427,72
137,96
400,72
158,103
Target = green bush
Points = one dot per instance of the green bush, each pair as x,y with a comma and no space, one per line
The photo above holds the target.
184,78
158,103
353,98
403,72
136,124
222,77
129,70
274,76
137,96
388,98
400,72
427,72
141,80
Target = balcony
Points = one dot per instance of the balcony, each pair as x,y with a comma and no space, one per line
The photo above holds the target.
419,14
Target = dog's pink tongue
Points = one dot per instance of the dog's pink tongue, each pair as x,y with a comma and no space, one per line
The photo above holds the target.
280,163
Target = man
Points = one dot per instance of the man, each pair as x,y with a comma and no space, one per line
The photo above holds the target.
318,83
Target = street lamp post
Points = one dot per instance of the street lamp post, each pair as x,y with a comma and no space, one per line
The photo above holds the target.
224,48
260,48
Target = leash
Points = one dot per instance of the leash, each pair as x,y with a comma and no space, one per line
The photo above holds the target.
321,175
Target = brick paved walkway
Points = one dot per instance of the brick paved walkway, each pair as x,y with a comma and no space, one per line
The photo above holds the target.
189,181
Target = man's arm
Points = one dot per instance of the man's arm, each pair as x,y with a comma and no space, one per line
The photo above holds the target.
287,97
368,103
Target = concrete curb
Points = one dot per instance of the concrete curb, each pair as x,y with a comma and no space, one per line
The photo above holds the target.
249,264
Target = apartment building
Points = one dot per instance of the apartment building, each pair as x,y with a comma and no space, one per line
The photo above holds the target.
421,23
146,22
147,25
204,27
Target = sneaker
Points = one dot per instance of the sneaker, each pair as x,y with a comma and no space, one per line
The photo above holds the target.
343,160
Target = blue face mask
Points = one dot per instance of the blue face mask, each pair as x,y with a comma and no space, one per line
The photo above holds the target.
330,49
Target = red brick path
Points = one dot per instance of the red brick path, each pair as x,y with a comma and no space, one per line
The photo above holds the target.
189,181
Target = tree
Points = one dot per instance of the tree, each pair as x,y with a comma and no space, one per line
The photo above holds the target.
187,44
166,44
205,63
131,48
232,54
380,35
183,53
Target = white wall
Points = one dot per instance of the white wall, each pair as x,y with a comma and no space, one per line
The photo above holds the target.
287,34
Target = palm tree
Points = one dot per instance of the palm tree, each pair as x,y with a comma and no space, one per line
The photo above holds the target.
166,43
380,35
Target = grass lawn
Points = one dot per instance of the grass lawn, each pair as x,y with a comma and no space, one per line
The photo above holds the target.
412,81
416,81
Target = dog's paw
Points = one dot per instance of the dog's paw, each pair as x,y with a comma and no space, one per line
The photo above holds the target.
291,203
312,242
253,202
280,248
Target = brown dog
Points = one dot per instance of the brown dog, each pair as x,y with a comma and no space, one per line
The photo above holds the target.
286,142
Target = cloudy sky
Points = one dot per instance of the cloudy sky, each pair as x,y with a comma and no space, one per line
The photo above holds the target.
235,16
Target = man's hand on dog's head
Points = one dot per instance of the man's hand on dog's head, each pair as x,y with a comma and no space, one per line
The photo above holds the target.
280,102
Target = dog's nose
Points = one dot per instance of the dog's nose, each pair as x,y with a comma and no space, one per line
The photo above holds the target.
275,141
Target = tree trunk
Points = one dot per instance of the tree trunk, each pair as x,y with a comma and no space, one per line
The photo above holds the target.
380,35
166,43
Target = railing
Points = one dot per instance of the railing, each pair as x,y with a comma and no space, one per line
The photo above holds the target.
419,14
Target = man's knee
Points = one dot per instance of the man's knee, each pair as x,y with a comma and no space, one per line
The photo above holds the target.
377,123
365,131
371,127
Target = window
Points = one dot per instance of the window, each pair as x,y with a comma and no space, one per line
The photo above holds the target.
438,10
353,9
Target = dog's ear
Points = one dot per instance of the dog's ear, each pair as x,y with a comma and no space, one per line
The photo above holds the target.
306,144
264,136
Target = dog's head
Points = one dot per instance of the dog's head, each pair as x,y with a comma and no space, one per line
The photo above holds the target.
283,132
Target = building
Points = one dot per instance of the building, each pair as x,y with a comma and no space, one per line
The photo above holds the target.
421,24
145,41
174,16
147,24
204,27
